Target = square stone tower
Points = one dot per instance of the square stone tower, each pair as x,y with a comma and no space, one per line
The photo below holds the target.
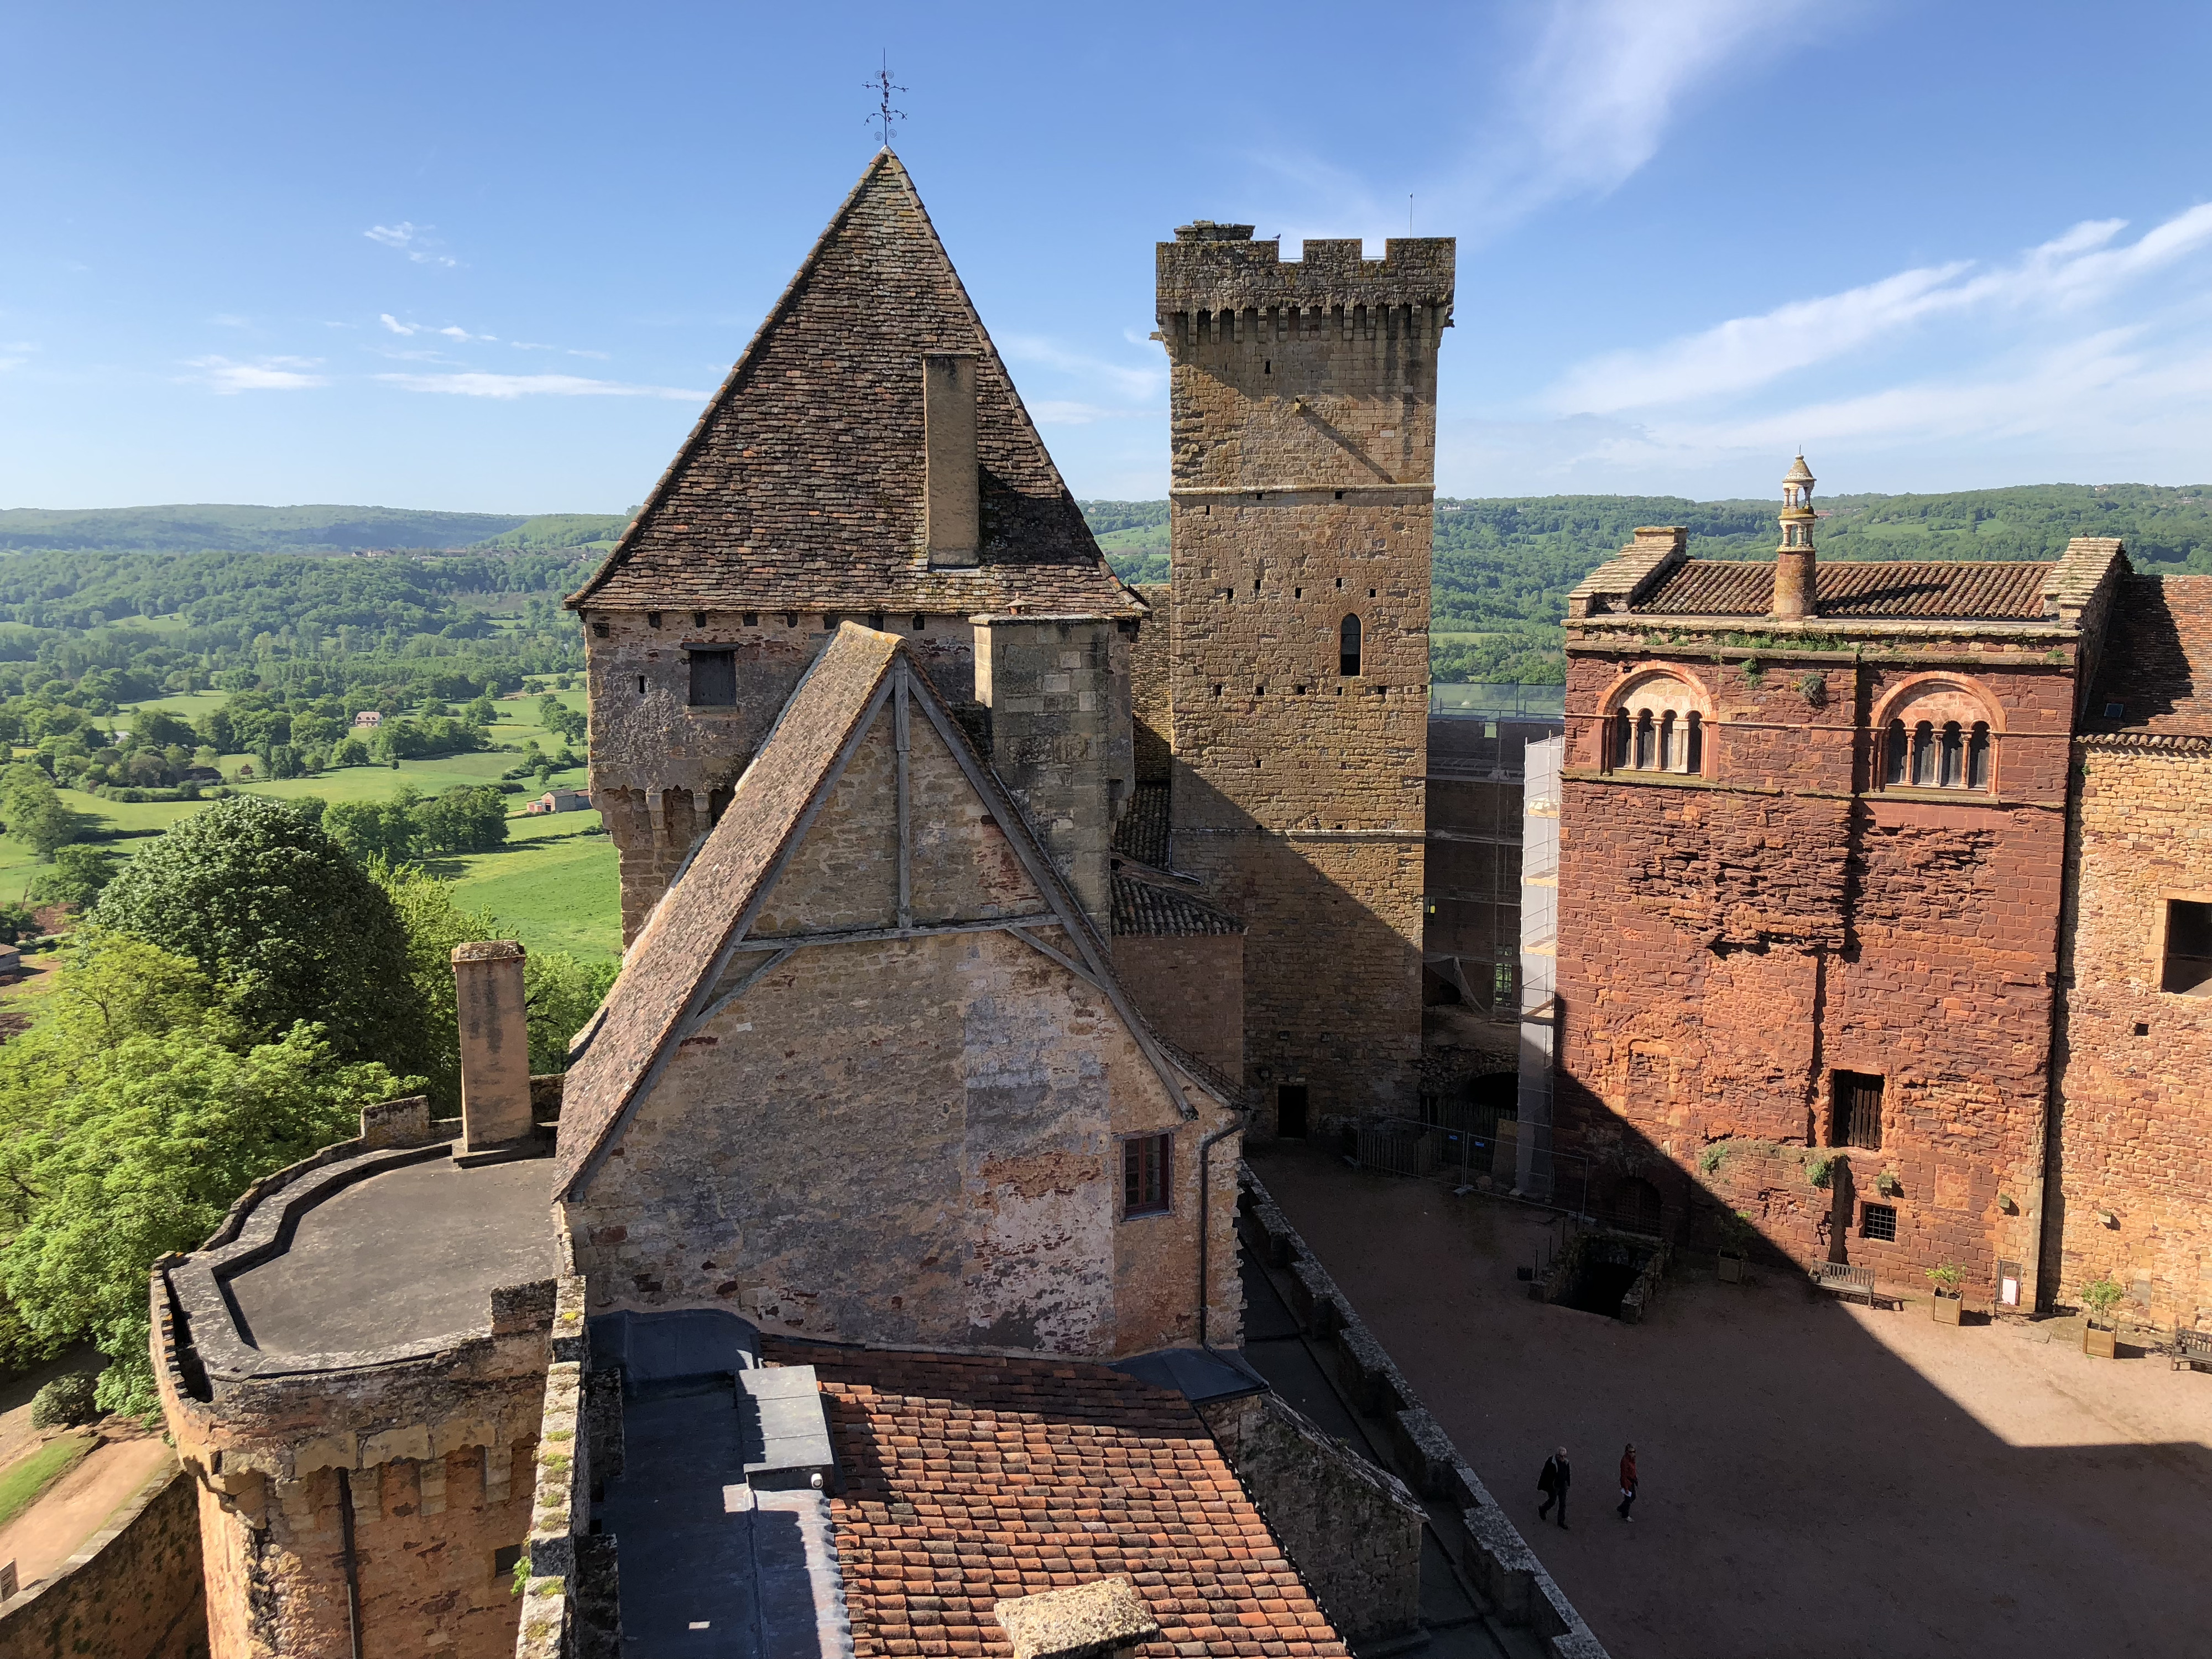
1303,427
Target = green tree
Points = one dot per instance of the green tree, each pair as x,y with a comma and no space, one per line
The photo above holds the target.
561,994
472,819
433,924
17,924
370,830
282,920
34,812
144,1157
81,871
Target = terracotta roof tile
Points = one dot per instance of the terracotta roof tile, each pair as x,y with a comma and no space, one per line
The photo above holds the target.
971,1479
2157,660
1141,831
1146,908
1964,590
801,486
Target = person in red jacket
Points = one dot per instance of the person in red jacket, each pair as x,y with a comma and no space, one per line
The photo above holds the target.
1627,1483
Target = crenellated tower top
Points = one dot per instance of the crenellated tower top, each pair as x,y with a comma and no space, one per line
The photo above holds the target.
1216,268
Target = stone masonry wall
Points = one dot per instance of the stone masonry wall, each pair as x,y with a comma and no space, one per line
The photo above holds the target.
133,1592
2135,1078
912,1141
1353,1530
1191,987
661,768
1729,942
1304,435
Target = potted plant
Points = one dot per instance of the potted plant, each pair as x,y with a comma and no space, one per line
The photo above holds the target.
1736,1235
2101,1296
1948,1303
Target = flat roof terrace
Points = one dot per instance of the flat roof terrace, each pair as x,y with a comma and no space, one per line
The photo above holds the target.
367,1259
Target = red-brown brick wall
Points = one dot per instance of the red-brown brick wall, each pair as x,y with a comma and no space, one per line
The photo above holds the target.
1729,942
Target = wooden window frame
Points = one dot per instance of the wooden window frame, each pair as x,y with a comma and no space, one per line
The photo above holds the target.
1148,1174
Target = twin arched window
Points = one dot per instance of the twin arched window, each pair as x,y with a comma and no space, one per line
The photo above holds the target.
1927,754
1938,736
1657,726
1658,740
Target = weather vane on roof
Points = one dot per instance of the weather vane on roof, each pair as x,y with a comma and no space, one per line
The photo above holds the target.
882,85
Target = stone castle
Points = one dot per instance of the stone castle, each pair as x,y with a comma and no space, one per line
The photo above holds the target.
874,1268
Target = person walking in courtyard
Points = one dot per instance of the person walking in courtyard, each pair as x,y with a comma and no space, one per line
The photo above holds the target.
1627,1482
1553,1483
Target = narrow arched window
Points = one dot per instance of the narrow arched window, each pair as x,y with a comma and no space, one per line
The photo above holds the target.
1978,756
1667,741
1693,745
1893,770
1622,755
1644,741
1347,647
1951,764
1923,756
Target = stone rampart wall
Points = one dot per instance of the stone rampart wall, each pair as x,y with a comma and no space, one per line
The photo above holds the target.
132,1592
1487,1546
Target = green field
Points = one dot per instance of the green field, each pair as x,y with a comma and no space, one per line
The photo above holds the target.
554,886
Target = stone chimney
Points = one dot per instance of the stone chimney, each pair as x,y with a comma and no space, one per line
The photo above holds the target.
1049,686
494,1044
1105,1620
952,510
1794,565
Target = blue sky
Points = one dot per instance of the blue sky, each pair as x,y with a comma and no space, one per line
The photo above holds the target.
494,256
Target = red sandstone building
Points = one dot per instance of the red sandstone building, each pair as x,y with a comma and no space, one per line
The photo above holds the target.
1814,831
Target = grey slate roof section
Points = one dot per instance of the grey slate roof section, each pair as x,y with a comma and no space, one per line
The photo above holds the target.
786,1435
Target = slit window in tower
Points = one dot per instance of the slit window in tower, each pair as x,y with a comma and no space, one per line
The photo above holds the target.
1347,648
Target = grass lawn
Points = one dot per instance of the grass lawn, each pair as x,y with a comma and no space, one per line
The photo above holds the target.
22,1480
552,887
185,705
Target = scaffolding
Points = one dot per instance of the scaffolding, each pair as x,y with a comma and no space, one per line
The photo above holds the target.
1539,957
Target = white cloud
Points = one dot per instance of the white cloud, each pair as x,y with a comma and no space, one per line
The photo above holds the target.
451,331
415,241
571,351
2070,271
1147,385
395,324
229,319
1062,412
1596,95
263,374
535,386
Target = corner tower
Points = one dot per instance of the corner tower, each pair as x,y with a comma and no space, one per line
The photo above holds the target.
1303,430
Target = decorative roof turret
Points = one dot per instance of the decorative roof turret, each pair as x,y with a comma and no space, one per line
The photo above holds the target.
1793,559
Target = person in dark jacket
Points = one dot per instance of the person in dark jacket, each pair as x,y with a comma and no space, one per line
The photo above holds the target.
1553,1483
1627,1482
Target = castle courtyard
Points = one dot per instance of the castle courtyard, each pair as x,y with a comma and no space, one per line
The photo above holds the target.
1818,1478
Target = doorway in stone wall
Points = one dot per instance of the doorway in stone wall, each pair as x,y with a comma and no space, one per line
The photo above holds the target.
1842,1209
1291,1110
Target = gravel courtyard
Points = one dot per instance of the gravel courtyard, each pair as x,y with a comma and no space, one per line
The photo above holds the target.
1817,1478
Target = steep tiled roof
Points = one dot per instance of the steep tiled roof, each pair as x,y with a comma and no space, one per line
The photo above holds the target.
1143,908
971,1481
801,486
1141,831
1967,591
683,939
2158,660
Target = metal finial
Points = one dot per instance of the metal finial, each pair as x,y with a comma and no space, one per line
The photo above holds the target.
882,85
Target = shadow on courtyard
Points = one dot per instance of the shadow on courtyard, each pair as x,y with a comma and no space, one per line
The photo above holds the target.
1818,1480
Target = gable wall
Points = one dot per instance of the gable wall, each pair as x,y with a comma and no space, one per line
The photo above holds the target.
909,1141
